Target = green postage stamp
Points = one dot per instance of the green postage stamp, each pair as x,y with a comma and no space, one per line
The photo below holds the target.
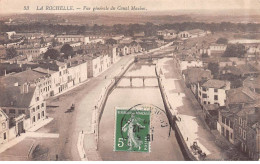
132,130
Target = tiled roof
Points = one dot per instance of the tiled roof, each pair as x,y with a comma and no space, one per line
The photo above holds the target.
194,75
11,96
252,82
28,76
213,83
241,95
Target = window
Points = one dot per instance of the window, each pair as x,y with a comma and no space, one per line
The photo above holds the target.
244,135
240,121
3,125
42,104
21,111
4,136
231,135
205,102
42,113
37,98
204,95
215,90
39,116
204,89
215,97
223,120
12,111
240,131
33,110
33,118
231,124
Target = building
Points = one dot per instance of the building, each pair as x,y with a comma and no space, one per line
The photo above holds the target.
58,73
210,113
167,34
217,49
72,38
247,131
77,71
193,76
41,81
122,50
192,33
190,62
241,95
253,83
213,92
226,121
24,106
4,127
93,63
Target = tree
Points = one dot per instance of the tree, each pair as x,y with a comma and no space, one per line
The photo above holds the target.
205,55
67,50
214,68
54,42
52,54
222,41
11,53
235,50
111,41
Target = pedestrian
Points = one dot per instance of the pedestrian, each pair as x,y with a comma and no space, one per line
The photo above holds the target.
57,157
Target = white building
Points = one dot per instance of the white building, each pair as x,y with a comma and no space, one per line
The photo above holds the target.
213,92
72,38
190,63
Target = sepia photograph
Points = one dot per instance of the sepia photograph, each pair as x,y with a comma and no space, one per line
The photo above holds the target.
129,80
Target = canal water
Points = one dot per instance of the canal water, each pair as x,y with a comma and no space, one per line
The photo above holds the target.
164,145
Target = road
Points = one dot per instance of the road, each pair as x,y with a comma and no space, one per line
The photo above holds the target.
69,124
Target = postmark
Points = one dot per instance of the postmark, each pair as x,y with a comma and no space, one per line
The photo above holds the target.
132,130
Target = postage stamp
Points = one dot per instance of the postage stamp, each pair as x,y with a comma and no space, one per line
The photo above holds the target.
132,130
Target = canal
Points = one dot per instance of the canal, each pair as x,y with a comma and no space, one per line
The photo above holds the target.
164,145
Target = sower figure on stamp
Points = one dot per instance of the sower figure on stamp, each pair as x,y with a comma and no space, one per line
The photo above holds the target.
129,127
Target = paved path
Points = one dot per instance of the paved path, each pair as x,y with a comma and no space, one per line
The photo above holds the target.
188,109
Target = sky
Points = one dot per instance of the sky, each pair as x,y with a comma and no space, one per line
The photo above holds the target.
16,6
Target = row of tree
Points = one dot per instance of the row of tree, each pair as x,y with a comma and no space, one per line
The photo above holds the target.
128,29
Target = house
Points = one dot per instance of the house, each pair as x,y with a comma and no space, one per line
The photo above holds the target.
94,66
41,81
241,95
24,106
139,34
210,113
4,127
213,92
193,76
253,83
72,38
247,131
10,34
122,50
77,71
217,49
189,62
58,73
167,34
226,121
192,33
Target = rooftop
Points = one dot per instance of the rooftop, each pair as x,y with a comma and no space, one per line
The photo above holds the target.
213,83
241,95
11,96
